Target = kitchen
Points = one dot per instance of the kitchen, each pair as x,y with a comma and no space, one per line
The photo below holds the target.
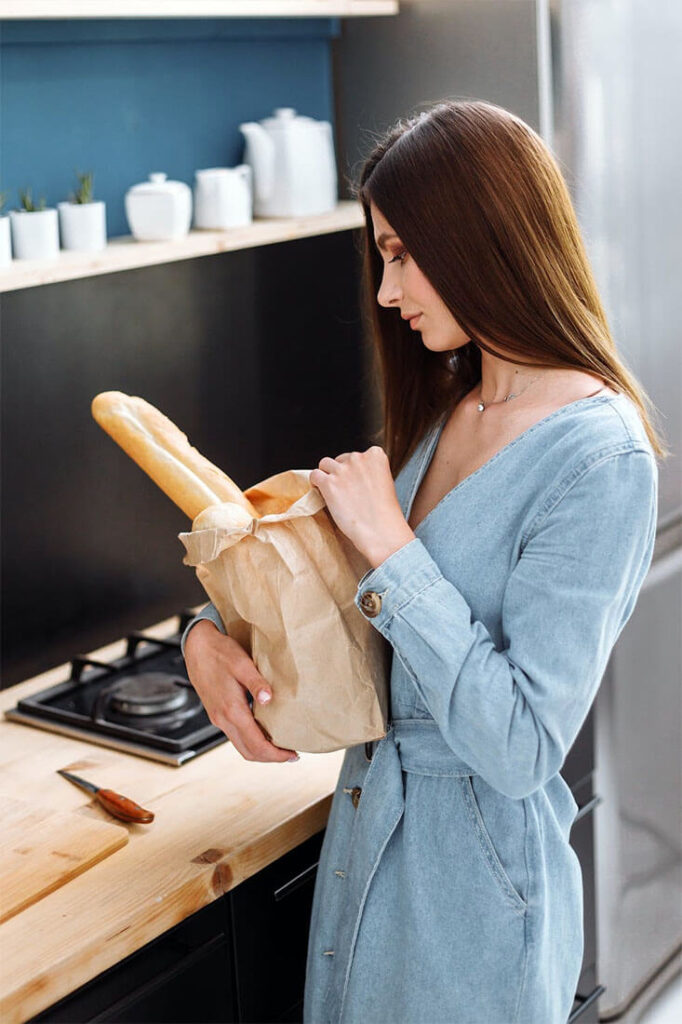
241,351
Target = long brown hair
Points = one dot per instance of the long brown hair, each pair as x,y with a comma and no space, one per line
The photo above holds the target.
481,205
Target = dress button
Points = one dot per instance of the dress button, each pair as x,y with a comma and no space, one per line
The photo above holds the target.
354,794
370,602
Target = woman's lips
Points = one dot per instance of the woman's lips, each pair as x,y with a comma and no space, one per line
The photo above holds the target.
414,320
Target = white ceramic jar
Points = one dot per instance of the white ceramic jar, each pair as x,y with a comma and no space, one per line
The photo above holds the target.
159,209
223,197
82,226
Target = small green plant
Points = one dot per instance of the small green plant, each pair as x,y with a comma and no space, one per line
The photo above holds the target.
26,202
83,193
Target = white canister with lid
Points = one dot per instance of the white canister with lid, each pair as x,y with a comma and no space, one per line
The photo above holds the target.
159,209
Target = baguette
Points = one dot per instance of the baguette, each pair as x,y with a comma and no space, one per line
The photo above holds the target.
164,453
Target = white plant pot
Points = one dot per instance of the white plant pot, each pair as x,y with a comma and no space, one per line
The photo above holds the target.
5,242
82,226
35,236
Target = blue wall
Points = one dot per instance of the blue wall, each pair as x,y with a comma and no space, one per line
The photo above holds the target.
125,98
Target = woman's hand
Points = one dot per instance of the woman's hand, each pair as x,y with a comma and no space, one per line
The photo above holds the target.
221,672
360,495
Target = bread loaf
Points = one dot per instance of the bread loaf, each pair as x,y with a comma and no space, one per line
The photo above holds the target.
164,453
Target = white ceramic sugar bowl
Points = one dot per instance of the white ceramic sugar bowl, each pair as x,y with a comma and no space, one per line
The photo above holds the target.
159,209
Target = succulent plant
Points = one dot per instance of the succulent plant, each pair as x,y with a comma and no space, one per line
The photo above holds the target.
27,204
83,193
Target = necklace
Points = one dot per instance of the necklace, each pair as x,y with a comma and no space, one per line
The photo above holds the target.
481,405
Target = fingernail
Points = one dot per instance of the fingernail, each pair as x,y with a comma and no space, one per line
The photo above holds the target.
263,696
296,758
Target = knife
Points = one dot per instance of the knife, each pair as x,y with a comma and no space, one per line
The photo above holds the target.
120,806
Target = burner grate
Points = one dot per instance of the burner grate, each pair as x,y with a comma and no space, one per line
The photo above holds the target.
142,702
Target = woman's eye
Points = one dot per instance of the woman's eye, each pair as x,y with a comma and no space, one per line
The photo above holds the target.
400,256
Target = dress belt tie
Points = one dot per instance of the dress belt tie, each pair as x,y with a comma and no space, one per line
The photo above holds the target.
422,748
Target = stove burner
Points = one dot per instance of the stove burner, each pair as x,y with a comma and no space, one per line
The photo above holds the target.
149,693
142,703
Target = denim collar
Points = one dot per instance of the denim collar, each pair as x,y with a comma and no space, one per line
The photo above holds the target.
419,463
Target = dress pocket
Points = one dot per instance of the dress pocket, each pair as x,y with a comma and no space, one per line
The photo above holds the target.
511,824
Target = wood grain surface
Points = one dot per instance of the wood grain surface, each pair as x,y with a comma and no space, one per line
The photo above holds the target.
42,848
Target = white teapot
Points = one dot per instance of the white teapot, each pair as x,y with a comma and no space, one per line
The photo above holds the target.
293,162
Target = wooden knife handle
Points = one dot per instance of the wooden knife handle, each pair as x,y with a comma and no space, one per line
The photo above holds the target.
123,808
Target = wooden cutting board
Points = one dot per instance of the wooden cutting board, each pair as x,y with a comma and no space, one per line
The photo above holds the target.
42,848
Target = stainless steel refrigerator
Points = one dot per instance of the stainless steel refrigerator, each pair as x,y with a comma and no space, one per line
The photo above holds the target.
601,80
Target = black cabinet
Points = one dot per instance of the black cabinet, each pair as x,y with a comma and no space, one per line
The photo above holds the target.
186,974
240,959
578,772
585,1007
270,920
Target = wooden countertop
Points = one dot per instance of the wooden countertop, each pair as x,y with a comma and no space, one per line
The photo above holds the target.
218,820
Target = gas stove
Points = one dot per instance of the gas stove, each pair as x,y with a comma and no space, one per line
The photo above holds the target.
142,703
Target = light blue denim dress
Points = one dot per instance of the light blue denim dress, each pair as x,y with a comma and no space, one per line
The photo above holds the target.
447,890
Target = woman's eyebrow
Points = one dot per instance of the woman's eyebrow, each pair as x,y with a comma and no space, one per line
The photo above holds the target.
383,238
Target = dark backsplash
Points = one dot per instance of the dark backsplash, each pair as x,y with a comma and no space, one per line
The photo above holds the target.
256,355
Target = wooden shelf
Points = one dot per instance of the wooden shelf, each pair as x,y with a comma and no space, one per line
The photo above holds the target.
126,254
25,9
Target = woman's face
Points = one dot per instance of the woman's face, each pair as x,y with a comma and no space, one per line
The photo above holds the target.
405,289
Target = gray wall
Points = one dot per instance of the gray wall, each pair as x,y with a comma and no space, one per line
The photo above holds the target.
384,68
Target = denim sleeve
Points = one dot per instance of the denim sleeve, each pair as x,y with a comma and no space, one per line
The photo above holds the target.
513,714
209,612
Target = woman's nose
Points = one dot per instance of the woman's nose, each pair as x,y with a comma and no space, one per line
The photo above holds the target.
389,292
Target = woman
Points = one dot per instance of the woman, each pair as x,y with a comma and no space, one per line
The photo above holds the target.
509,521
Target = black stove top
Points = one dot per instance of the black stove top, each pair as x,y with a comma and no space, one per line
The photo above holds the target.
142,703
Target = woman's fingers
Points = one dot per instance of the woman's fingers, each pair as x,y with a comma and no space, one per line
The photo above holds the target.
246,673
221,671
250,740
328,464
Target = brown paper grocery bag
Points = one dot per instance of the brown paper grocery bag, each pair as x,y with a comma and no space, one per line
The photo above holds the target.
284,586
